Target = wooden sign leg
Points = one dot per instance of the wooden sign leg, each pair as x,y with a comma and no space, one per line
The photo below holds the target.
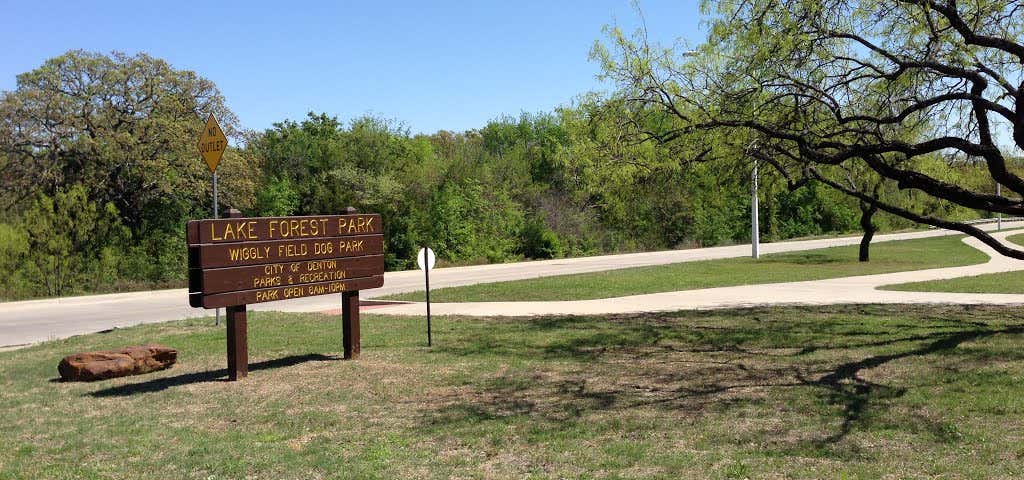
238,343
350,324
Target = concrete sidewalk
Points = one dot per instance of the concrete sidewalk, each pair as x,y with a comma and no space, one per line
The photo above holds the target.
846,290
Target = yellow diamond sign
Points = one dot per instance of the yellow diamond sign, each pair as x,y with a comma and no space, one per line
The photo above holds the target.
212,143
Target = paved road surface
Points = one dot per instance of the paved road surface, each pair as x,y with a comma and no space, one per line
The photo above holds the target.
860,289
37,320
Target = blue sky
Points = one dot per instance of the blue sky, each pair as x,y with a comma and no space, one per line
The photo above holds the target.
431,65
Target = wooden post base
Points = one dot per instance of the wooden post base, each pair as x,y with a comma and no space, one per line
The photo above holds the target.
350,315
238,343
350,324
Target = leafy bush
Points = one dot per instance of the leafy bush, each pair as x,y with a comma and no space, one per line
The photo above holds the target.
14,248
471,223
536,240
72,243
277,198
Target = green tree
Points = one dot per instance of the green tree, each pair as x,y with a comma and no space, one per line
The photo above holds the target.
321,165
124,127
14,248
473,223
887,86
72,242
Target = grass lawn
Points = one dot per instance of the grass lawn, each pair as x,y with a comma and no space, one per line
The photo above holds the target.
796,392
1006,282
896,256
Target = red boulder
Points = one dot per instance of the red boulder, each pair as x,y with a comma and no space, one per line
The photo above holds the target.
90,366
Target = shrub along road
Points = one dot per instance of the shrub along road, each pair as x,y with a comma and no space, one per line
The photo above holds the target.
38,320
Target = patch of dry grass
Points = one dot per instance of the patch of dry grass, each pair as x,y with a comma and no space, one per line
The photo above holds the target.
857,391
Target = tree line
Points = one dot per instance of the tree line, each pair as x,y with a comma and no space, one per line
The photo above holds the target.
99,173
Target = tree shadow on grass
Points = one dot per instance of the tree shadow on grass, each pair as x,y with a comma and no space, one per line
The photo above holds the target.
220,375
685,368
847,389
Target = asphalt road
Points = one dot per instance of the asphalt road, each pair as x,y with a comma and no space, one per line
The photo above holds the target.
38,320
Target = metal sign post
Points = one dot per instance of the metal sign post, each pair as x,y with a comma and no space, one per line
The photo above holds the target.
212,144
426,279
426,259
216,320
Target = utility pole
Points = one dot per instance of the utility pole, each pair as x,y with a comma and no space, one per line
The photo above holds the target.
755,230
999,216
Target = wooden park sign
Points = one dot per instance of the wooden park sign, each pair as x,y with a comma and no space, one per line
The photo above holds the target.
235,261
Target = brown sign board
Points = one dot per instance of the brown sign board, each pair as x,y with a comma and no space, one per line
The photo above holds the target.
234,230
260,295
237,261
277,251
220,280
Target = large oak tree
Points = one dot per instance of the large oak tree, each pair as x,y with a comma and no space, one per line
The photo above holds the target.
850,93
122,126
